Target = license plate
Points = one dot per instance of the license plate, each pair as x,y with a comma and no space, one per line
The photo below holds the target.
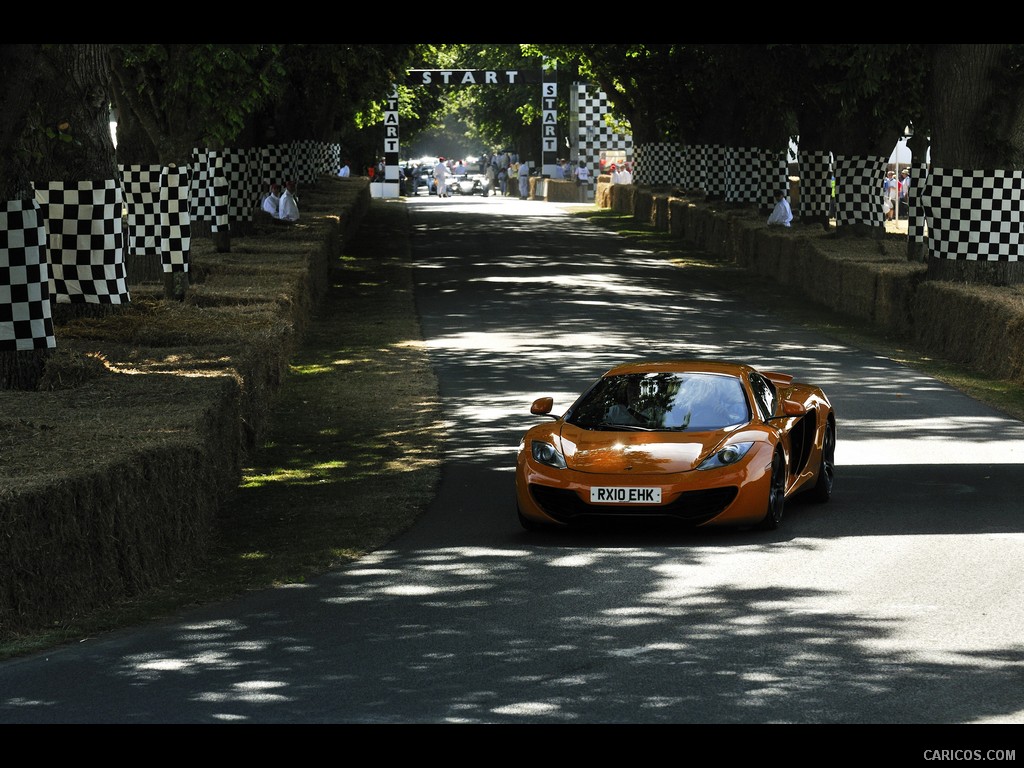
620,495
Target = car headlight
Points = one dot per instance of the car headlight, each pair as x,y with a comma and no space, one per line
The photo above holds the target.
730,454
546,453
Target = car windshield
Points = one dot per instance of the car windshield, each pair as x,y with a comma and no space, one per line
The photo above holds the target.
689,402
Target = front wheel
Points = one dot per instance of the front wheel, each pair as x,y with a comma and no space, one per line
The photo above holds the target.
776,494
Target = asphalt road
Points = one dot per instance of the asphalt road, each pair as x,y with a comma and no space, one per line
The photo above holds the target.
898,602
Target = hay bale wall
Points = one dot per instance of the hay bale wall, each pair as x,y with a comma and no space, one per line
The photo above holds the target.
561,191
871,280
111,476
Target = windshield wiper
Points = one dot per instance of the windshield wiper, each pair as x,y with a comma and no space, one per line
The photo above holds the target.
623,427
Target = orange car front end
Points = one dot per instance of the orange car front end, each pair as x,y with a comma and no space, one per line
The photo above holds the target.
567,475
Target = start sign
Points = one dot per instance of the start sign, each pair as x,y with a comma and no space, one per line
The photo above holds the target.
465,77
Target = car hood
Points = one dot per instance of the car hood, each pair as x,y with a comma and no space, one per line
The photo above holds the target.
638,452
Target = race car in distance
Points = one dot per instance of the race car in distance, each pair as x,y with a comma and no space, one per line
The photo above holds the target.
469,184
701,442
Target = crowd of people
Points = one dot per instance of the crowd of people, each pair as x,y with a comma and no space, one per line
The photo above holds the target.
895,194
505,173
282,203
508,176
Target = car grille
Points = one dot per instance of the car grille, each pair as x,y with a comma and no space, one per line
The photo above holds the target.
693,507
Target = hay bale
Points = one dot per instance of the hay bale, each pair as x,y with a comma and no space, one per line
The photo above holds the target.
112,473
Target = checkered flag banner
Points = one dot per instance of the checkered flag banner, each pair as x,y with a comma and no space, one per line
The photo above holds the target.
175,224
918,214
774,176
659,164
208,189
25,313
701,163
333,159
243,171
276,166
141,187
974,215
304,166
85,241
742,174
716,169
859,189
815,182
594,133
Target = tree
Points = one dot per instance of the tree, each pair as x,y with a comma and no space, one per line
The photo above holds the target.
976,122
481,117
324,88
171,98
54,128
333,93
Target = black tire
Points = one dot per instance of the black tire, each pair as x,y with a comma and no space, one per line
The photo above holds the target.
776,494
822,490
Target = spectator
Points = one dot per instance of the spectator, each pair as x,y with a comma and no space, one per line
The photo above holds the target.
889,192
524,180
782,214
904,193
272,201
441,176
492,178
289,204
582,176
344,172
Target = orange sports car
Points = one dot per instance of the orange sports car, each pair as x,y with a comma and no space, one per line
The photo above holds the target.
704,443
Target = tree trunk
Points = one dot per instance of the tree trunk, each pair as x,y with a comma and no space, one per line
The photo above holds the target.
977,117
54,126
999,273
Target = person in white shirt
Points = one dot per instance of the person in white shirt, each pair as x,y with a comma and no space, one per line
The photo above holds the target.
272,201
289,205
524,180
492,178
904,188
441,176
344,171
582,174
782,214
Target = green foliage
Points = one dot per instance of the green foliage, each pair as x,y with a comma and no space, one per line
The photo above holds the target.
489,117
178,91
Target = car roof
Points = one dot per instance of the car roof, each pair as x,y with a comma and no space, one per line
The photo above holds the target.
681,366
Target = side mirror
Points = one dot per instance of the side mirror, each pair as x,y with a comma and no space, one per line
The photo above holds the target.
542,406
793,408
